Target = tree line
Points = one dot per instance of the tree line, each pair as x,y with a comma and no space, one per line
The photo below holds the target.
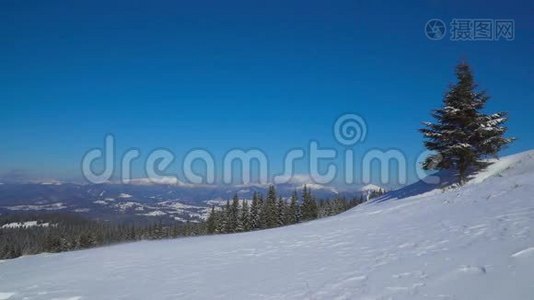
273,211
65,232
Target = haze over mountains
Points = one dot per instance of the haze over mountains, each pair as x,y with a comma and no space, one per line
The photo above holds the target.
141,200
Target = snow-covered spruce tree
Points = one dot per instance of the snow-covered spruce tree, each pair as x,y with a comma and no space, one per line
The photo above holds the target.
292,215
220,221
244,218
463,135
234,215
270,209
281,208
262,211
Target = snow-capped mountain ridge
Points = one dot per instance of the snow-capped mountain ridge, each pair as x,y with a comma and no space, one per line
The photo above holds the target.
473,242
116,202
371,187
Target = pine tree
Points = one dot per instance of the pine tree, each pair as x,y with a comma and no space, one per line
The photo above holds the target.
234,215
244,218
254,212
211,221
325,209
309,207
220,221
263,211
269,210
462,135
292,216
281,212
227,218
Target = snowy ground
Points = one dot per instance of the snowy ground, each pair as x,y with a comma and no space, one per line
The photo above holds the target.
470,243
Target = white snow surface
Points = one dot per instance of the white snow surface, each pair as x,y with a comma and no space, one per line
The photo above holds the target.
473,242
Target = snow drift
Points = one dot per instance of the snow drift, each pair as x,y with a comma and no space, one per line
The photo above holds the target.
474,242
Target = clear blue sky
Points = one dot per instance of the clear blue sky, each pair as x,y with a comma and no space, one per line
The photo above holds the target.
226,74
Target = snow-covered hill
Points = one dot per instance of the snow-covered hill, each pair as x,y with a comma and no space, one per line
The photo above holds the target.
475,242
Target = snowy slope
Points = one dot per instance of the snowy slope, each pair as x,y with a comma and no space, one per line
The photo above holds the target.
470,243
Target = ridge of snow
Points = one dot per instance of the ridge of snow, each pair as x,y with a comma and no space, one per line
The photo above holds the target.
370,187
316,187
155,213
165,180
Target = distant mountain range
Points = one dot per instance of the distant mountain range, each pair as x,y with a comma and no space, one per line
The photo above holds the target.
140,200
